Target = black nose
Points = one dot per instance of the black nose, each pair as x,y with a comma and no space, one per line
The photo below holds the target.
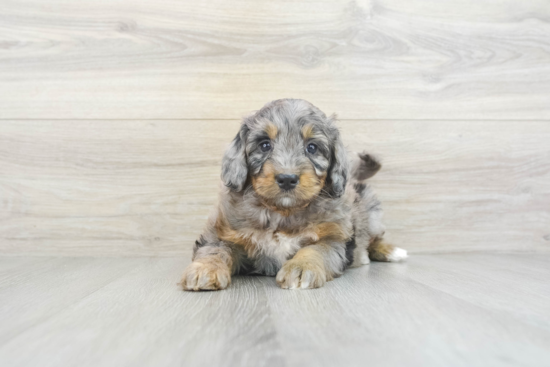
287,182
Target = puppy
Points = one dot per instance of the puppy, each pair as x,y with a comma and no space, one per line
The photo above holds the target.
292,205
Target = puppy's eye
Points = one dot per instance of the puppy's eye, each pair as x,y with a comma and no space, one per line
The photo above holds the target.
311,148
265,146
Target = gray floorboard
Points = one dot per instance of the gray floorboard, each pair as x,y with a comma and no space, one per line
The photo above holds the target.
434,310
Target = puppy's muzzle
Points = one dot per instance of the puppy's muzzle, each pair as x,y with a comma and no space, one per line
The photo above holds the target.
287,182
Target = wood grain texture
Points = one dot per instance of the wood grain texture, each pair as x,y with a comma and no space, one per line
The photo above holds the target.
523,275
36,291
119,312
383,59
143,318
146,187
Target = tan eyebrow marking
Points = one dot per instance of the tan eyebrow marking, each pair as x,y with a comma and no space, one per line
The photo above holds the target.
307,131
271,131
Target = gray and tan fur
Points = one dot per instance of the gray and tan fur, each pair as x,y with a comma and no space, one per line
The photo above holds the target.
291,204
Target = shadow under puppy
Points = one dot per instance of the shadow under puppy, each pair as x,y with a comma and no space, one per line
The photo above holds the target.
292,205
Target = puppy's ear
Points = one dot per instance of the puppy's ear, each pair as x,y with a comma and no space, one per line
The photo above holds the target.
338,171
234,167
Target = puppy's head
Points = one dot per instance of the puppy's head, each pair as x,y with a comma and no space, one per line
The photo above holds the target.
288,152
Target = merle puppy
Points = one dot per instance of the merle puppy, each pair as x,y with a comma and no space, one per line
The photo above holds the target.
292,205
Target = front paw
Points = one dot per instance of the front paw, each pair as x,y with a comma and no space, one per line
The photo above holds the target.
206,275
301,273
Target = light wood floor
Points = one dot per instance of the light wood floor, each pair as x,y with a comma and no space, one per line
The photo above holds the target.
434,310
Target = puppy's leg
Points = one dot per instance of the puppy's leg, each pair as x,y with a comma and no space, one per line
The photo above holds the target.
367,217
313,266
211,268
382,251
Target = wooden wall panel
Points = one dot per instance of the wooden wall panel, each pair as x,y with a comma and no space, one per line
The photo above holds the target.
114,114
384,59
139,187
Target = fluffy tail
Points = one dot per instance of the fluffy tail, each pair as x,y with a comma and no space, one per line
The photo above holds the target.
364,166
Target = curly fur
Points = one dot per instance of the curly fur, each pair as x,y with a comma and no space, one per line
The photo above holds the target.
305,236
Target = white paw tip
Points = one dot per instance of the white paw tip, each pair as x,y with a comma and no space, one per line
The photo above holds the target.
398,254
